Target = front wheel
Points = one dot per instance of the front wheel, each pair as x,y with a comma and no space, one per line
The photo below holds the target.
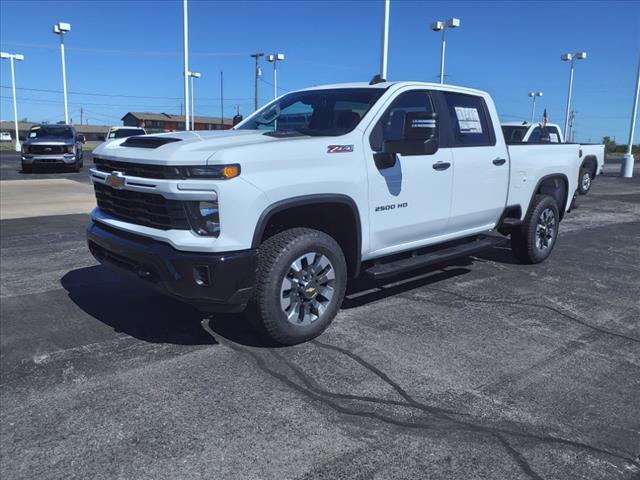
534,240
584,183
300,284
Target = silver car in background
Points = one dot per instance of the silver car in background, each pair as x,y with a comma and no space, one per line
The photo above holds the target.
52,146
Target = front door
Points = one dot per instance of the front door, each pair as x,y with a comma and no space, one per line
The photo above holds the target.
409,202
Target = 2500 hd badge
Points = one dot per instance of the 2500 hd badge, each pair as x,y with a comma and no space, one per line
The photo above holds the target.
391,206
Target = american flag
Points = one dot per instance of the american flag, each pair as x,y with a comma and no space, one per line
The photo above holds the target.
544,118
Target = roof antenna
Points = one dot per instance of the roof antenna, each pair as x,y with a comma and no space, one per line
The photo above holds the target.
377,78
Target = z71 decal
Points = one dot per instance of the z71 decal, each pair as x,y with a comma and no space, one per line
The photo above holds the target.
340,149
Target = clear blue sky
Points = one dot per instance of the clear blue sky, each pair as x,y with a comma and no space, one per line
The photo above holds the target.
129,51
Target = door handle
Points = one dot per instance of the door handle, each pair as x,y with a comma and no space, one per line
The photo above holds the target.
499,161
441,165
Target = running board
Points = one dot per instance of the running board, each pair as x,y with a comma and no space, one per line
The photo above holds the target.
482,242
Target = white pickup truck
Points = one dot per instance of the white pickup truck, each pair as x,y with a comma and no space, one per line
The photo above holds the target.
590,156
320,186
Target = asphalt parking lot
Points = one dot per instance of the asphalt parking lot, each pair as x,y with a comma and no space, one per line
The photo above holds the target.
480,369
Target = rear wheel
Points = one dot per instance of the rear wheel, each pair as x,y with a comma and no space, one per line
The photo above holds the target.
300,283
534,240
584,183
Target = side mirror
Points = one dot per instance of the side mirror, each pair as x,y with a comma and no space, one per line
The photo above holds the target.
420,135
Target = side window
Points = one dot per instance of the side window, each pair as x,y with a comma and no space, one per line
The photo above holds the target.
535,136
469,119
554,135
391,124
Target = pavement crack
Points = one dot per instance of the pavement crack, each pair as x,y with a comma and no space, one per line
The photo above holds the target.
536,305
445,422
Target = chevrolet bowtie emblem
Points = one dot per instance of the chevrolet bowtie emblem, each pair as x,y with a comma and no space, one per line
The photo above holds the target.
115,180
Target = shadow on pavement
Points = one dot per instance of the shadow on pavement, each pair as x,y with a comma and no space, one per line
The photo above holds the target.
141,312
134,309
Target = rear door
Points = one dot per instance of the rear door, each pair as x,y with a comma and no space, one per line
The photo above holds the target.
410,201
480,165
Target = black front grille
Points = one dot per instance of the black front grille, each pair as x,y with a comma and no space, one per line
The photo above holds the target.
47,149
137,169
148,209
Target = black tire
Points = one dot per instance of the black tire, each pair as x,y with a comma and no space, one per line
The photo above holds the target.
528,241
276,257
27,168
584,181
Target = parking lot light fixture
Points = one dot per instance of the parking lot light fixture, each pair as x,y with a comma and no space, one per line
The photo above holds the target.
193,75
533,95
275,58
570,57
13,57
442,27
60,29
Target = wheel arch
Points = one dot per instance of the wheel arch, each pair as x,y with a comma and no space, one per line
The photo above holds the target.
317,211
555,185
590,162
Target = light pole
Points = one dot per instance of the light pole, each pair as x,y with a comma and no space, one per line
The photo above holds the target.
569,57
258,72
193,75
626,169
185,30
384,48
443,26
11,57
275,58
61,28
533,95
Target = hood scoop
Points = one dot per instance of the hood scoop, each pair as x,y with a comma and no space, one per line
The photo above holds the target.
148,142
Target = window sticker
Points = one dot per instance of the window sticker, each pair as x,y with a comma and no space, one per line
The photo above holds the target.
553,137
468,120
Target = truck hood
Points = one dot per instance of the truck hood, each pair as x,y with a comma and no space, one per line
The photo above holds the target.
191,148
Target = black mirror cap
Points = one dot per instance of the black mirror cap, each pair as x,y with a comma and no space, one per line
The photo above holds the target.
412,147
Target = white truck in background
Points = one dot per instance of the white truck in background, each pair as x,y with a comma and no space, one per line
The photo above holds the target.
320,186
590,156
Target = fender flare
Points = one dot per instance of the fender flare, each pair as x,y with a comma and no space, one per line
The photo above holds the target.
563,177
303,200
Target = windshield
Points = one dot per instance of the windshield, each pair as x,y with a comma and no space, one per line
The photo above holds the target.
51,132
126,132
514,133
316,112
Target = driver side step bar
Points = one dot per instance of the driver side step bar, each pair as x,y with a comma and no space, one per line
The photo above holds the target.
435,256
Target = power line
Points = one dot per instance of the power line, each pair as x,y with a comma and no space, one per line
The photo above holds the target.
45,90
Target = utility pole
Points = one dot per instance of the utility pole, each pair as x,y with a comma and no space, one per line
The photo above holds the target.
221,101
185,21
384,48
257,56
626,169
81,116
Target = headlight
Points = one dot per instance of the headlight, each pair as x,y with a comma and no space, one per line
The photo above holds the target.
223,172
204,217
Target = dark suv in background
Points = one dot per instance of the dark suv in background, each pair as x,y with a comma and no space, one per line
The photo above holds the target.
52,146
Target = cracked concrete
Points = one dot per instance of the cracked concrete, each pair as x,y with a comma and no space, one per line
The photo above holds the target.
480,369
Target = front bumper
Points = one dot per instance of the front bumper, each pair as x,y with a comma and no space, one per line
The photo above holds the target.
211,281
49,160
